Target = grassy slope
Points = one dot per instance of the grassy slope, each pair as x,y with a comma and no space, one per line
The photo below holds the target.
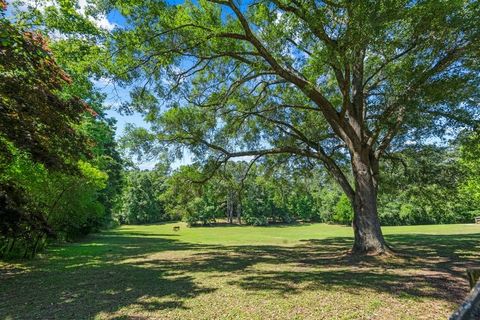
277,272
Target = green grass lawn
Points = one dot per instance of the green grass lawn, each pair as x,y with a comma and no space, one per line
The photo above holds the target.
276,272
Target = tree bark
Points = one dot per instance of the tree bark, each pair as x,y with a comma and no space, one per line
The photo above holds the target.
366,224
239,207
230,204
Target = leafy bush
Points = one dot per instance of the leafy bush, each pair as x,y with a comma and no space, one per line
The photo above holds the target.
343,212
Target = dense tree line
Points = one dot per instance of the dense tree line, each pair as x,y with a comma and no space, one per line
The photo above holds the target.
59,167
427,184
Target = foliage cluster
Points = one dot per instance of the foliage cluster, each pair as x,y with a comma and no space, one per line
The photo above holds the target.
59,167
140,198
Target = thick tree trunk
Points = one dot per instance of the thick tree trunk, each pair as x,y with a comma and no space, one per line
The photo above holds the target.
366,224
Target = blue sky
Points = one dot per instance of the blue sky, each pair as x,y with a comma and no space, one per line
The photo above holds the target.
116,95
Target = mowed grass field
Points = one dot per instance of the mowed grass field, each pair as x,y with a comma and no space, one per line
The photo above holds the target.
239,272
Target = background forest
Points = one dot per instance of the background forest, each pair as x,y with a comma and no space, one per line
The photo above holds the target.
422,185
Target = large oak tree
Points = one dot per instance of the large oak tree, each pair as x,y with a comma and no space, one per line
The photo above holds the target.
337,81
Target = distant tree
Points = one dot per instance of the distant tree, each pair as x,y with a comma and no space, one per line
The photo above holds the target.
231,178
469,147
140,200
194,202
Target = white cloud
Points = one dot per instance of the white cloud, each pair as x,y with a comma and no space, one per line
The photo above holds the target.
150,165
24,5
100,20
102,82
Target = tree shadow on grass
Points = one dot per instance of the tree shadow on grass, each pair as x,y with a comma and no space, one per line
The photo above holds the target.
427,266
445,251
87,279
112,271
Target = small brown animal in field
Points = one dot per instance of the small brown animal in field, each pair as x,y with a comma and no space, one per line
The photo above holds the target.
176,228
